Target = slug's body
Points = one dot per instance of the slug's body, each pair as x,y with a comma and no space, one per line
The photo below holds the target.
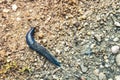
38,48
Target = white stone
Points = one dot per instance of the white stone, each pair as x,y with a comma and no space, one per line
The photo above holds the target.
118,59
18,19
55,77
107,65
102,76
1,1
110,79
96,72
117,23
14,7
58,51
115,49
92,45
117,77
6,10
44,40
116,39
37,75
83,68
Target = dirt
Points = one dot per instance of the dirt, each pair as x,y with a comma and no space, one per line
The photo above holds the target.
79,33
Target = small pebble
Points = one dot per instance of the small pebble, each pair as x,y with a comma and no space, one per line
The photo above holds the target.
86,24
44,40
118,59
9,1
96,72
76,24
106,60
22,58
58,51
55,77
107,65
105,57
117,23
117,77
110,79
115,49
83,68
101,66
6,10
35,64
92,46
102,76
18,19
66,49
88,51
41,35
75,1
37,75
82,78
14,7
116,39
1,1
2,53
98,37
9,59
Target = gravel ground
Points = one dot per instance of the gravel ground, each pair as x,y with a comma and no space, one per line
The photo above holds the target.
84,35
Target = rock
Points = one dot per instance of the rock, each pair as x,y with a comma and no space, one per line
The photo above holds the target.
9,59
76,24
2,53
83,68
107,65
115,49
116,39
110,79
101,66
1,1
118,59
6,10
66,49
117,77
40,35
85,15
14,7
82,78
13,46
18,19
9,1
44,40
102,76
75,1
92,46
96,72
88,51
55,77
97,37
37,75
86,24
58,51
117,23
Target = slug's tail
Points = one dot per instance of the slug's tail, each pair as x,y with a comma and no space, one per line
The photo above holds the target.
44,52
52,59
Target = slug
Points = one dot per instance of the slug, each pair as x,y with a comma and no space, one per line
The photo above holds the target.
39,48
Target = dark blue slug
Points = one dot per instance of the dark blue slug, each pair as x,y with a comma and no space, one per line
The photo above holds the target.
39,48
